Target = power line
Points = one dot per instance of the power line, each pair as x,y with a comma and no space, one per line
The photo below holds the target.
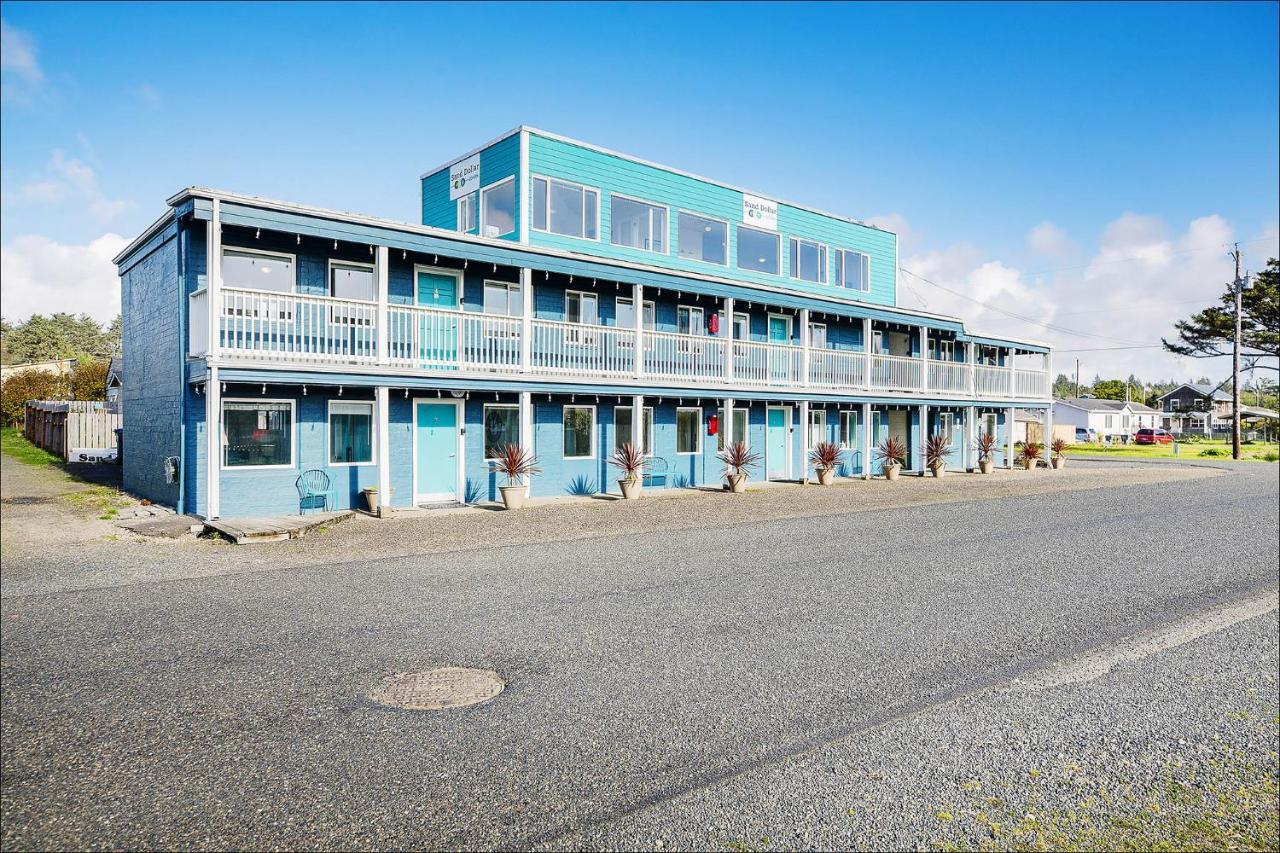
1111,349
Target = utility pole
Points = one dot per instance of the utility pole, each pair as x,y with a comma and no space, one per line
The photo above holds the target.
1237,285
1077,378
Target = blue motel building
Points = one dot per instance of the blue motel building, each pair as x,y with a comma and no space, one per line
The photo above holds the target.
556,295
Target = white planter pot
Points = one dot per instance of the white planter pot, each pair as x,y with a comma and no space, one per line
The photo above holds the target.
1058,462
512,496
737,483
891,471
938,470
826,476
986,465
630,489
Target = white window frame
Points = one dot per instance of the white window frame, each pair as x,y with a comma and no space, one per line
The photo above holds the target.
826,342
628,341
484,417
264,253
1107,421
848,427
946,350
293,435
354,264
824,258
469,212
741,315
791,329
450,271
585,188
777,258
744,437
666,237
645,439
818,419
947,424
328,434
727,230
698,432
515,207
565,408
989,419
866,266
509,286
700,325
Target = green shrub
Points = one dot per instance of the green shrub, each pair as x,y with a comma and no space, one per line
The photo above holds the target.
1214,451
1271,456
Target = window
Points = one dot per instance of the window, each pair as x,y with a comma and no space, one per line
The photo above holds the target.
579,432
741,327
946,350
739,427
637,224
564,208
580,307
848,425
689,320
818,335
758,250
503,298
624,315
1107,421
501,427
622,428
817,427
703,239
688,431
350,433
853,270
947,424
468,213
498,208
254,270
988,424
351,280
808,261
877,341
257,433
1124,421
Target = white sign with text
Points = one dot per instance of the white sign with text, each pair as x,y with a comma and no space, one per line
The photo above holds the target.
759,212
464,177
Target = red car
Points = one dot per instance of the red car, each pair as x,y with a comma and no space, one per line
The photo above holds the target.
1153,436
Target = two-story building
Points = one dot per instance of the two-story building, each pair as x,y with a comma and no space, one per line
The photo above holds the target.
557,296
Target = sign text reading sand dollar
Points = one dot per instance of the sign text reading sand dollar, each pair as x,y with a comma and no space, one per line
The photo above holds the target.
464,177
759,212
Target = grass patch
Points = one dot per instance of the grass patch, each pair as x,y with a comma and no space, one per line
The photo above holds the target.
1257,452
103,500
15,445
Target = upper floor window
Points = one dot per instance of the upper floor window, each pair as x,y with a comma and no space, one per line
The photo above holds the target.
818,335
689,320
703,239
853,270
808,261
624,315
256,270
637,224
502,298
351,280
468,214
580,307
758,250
498,208
564,208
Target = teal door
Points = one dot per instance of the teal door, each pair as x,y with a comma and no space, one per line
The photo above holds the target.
780,360
777,447
435,476
438,333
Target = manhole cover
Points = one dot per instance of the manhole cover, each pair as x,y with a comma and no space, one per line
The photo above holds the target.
447,687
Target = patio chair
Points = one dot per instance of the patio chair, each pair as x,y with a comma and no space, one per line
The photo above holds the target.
314,490
658,472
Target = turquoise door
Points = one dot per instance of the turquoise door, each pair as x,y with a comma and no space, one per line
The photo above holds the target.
780,360
435,475
777,444
438,333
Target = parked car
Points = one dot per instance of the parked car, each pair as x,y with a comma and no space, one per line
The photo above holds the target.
1083,434
1153,436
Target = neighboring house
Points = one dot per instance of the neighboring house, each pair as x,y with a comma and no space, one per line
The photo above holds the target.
557,296
115,378
1106,420
1197,408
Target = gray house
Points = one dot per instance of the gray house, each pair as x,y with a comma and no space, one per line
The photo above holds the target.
1196,407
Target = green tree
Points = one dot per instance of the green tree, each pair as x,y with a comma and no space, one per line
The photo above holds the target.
1108,389
1064,386
1209,333
29,385
60,335
88,380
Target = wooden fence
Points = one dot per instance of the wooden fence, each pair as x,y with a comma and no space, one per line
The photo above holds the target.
60,426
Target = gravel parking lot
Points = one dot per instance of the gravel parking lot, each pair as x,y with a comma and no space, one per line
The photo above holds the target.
696,672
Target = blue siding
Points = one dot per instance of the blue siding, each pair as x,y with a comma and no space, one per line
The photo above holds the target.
498,161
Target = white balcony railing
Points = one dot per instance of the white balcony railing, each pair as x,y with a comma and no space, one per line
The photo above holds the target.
305,329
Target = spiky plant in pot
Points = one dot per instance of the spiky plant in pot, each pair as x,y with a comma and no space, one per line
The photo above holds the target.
1029,454
825,458
738,461
515,463
937,448
892,453
1059,448
631,462
986,447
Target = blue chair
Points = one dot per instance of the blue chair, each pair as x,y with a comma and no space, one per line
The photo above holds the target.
314,490
658,472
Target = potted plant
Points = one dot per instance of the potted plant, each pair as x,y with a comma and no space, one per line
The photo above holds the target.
631,462
1029,454
893,455
936,449
738,460
515,462
370,498
986,447
1059,448
825,457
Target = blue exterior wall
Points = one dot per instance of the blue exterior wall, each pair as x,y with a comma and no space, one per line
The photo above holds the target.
497,161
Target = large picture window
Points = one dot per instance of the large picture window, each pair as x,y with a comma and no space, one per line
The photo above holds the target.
758,250
255,270
351,280
808,261
503,298
624,315
565,208
853,270
739,428
498,209
703,239
257,433
688,431
501,427
350,433
579,432
622,428
637,224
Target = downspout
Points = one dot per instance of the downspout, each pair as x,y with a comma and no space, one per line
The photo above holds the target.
182,365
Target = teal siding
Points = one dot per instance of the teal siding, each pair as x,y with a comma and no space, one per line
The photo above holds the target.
500,160
611,174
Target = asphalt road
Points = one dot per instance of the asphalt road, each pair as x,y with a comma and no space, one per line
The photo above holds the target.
727,686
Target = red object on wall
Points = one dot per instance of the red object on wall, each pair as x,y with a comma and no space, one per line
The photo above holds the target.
713,425
713,324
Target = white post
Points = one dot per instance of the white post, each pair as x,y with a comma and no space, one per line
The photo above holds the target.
1013,376
866,441
924,358
637,422
970,436
971,356
213,279
1048,429
726,332
924,437
380,282
727,427
804,358
213,442
866,349
804,436
637,304
382,403
526,320
526,427
1008,439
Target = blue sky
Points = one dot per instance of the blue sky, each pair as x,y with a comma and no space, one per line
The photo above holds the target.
1029,156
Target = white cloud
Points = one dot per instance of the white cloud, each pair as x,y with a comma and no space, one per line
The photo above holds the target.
1048,239
40,276
897,223
20,71
69,178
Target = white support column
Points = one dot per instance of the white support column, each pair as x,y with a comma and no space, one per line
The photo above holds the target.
866,441
805,342
213,386
526,426
924,358
637,303
526,319
213,279
970,437
924,438
866,352
380,259
726,332
1048,430
382,406
1008,438
1013,376
637,422
804,437
213,442
727,427
971,356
